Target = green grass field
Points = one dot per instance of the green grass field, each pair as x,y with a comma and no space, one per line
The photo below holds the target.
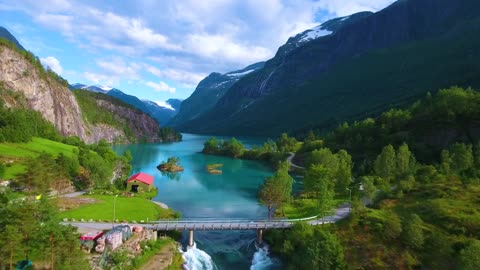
34,148
20,151
126,208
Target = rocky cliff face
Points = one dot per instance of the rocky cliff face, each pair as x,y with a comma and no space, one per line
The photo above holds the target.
143,127
58,105
53,101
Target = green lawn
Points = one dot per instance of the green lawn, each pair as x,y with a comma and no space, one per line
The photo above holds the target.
128,209
19,151
300,208
34,148
14,169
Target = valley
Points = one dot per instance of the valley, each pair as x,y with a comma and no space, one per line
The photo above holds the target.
265,136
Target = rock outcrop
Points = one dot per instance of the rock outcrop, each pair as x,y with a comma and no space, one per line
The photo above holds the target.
58,105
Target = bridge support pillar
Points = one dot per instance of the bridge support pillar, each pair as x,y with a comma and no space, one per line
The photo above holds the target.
191,242
259,237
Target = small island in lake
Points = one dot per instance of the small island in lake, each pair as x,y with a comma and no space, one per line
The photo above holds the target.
214,168
172,165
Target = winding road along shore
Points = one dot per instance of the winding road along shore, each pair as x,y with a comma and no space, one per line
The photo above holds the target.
290,158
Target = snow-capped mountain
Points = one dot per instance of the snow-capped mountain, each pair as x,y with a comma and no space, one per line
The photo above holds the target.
162,111
92,88
208,92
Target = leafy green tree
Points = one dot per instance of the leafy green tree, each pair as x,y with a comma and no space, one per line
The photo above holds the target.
271,195
385,164
405,161
343,176
325,157
461,157
287,144
211,146
369,188
277,189
412,232
40,174
318,181
470,256
236,148
324,251
11,247
406,184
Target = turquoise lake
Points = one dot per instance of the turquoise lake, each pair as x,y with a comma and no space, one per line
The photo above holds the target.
198,194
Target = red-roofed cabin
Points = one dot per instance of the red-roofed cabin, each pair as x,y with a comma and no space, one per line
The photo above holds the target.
140,182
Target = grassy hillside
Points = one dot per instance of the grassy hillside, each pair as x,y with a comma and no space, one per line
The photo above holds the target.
13,154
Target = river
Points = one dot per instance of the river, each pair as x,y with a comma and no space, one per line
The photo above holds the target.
198,194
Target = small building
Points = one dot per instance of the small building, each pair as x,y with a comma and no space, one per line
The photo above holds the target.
140,182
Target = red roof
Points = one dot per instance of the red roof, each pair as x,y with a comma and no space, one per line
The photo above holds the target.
142,177
91,235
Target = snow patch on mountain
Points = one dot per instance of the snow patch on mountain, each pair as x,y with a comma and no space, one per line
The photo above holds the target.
105,88
315,33
240,74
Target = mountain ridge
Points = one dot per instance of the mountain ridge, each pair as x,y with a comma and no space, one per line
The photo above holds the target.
162,114
315,81
208,92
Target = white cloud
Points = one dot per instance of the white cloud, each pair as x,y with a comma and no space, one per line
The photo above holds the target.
187,39
165,105
185,77
98,78
160,87
224,48
53,64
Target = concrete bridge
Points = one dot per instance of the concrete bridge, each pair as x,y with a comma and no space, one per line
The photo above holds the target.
206,224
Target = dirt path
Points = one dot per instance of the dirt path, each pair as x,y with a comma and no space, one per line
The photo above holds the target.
162,259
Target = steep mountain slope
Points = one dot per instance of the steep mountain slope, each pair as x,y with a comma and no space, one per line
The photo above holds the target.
163,114
126,122
175,103
208,92
367,62
4,33
22,74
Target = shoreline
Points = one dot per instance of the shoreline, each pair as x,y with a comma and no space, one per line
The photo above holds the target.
162,205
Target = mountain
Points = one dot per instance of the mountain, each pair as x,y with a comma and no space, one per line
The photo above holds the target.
208,92
163,114
129,99
4,33
352,67
24,83
108,112
175,103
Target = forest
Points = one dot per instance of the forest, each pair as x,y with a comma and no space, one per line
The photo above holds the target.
411,176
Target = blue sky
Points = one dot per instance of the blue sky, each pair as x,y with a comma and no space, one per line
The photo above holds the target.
161,49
